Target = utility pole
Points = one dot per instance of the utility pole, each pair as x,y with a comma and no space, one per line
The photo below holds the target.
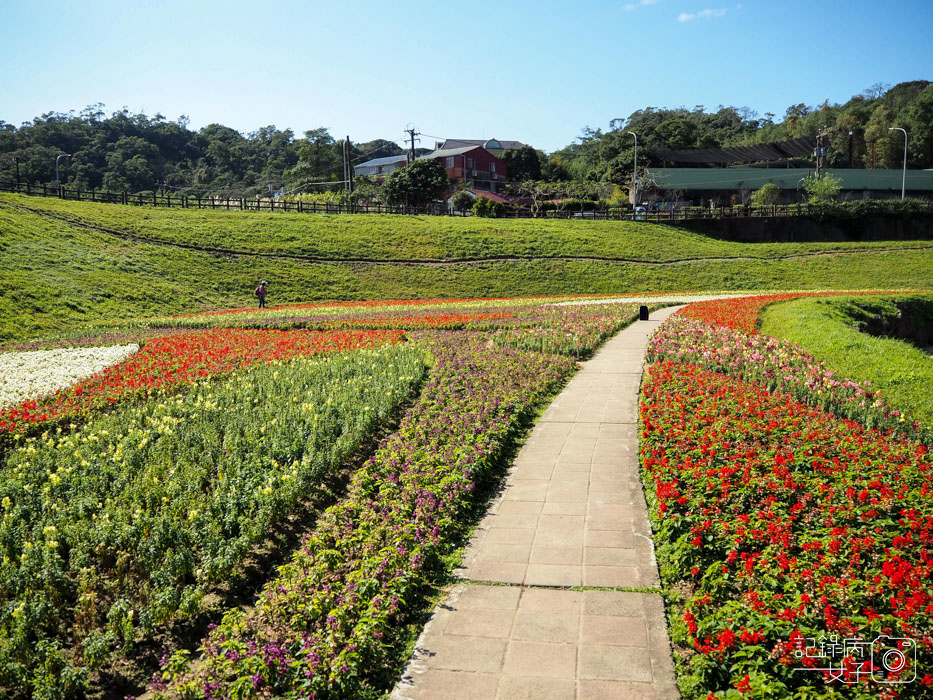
349,166
411,151
635,174
343,153
819,152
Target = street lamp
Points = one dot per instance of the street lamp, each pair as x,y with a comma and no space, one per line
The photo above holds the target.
59,156
904,176
635,172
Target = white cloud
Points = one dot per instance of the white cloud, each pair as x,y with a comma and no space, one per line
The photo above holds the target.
630,7
648,2
702,14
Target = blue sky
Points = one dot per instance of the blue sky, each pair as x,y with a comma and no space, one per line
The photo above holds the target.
537,72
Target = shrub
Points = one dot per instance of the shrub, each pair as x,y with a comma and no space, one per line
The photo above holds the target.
485,207
823,190
767,195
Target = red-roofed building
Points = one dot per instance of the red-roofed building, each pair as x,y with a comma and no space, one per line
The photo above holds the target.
472,167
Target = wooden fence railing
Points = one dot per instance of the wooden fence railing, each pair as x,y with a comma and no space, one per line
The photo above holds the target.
273,205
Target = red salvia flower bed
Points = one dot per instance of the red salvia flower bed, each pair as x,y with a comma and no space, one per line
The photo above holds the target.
783,523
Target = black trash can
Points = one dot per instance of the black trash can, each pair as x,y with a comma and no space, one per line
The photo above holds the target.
643,313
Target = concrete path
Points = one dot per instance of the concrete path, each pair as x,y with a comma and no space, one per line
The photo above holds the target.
655,299
572,514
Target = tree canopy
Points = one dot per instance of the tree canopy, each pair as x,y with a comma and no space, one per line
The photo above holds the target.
858,131
417,184
140,153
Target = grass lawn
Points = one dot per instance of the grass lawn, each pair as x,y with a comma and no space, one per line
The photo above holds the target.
60,276
828,329
375,237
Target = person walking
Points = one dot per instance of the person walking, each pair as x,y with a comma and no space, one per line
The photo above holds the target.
261,293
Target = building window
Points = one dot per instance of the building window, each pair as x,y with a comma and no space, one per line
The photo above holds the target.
470,163
450,161
492,167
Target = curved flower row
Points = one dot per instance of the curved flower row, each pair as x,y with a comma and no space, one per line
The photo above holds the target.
743,313
30,375
566,330
320,629
777,365
784,523
421,322
333,307
173,360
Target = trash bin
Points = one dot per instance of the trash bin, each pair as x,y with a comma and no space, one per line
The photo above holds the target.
643,313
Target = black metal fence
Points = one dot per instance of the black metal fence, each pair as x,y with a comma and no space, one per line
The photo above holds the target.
272,205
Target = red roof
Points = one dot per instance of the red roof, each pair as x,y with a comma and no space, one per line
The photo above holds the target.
505,199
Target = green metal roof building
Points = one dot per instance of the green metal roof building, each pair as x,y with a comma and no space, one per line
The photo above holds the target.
867,183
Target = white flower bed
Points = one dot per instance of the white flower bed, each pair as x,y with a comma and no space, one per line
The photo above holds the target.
29,375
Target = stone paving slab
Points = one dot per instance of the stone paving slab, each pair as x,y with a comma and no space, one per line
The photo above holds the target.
571,513
505,642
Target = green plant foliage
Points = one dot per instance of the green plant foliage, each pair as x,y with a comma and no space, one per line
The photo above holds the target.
822,190
417,184
769,193
462,201
486,208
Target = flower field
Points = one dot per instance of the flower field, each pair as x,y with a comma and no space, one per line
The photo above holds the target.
28,375
323,627
131,498
783,522
743,313
775,365
171,361
125,523
791,509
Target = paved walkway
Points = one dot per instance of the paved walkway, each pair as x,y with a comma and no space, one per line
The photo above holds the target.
655,299
572,514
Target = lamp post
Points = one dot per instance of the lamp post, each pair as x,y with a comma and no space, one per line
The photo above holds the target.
635,173
904,175
57,158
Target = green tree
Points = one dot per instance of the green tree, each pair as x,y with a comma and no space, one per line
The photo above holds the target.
320,158
523,164
822,190
462,201
767,194
417,184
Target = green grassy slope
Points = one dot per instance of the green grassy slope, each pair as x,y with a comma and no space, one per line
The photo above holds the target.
382,237
828,329
60,276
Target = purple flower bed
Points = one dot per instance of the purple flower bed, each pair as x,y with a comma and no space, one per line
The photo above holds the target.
323,628
776,365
